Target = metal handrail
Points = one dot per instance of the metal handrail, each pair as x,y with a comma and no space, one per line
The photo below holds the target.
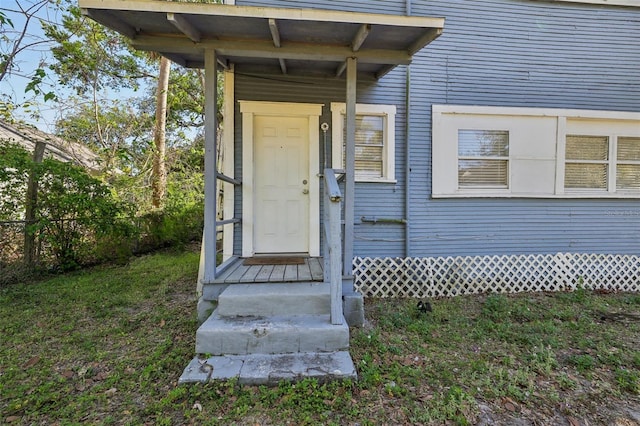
228,179
333,244
231,221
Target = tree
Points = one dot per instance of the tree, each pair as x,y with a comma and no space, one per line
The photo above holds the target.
90,58
16,40
125,131
159,138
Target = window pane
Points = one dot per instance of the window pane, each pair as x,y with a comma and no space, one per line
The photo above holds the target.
368,170
487,173
628,176
589,176
369,130
628,149
369,153
587,147
483,143
369,146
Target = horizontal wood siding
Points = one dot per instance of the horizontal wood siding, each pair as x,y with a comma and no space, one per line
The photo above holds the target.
391,7
526,54
497,53
381,200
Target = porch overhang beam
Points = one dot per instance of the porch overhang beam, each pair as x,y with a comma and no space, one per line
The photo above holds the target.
183,24
264,49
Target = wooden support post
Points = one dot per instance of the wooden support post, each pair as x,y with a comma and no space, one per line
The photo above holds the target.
210,156
30,207
350,166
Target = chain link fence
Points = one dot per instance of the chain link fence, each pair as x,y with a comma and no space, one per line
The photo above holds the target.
143,234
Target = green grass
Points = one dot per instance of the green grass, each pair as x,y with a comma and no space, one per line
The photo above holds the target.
107,345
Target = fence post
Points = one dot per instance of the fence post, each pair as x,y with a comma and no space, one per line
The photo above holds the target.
30,206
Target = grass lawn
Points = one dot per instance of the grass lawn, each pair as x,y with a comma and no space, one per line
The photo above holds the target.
107,345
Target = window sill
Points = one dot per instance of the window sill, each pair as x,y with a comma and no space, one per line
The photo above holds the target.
583,195
376,180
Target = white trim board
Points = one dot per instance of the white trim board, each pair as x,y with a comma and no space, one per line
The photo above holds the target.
338,110
536,149
627,3
249,110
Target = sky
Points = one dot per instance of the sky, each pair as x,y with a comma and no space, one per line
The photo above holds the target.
28,60
41,114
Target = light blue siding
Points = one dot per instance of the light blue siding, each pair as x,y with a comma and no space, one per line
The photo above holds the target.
390,7
496,53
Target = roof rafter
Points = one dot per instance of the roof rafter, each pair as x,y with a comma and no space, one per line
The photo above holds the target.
109,20
183,24
275,32
356,44
427,38
361,36
275,35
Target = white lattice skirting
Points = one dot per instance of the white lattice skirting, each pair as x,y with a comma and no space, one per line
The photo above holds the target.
452,276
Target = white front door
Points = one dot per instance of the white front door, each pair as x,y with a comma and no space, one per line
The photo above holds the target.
281,179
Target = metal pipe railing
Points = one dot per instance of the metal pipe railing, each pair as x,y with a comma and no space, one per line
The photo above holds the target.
333,244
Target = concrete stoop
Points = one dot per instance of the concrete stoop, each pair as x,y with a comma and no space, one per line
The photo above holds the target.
264,333
264,369
225,335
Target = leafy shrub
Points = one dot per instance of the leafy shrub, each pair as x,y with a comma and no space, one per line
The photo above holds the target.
75,212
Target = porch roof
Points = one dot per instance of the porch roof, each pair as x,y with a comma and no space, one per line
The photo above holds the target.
268,39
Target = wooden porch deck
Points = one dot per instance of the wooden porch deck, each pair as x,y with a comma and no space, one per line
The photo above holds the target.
311,270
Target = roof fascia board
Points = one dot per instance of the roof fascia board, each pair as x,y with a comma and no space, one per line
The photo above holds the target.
266,49
262,12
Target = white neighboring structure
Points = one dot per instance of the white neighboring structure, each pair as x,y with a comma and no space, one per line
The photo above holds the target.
57,148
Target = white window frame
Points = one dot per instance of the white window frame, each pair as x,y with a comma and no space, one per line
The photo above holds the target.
612,166
388,112
608,163
545,173
617,162
487,186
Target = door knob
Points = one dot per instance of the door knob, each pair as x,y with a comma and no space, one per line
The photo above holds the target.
305,191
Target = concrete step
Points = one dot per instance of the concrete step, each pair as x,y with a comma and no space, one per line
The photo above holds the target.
266,299
225,335
261,369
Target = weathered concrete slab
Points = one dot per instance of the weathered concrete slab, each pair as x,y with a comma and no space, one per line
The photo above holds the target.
201,370
270,335
261,369
303,298
353,308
